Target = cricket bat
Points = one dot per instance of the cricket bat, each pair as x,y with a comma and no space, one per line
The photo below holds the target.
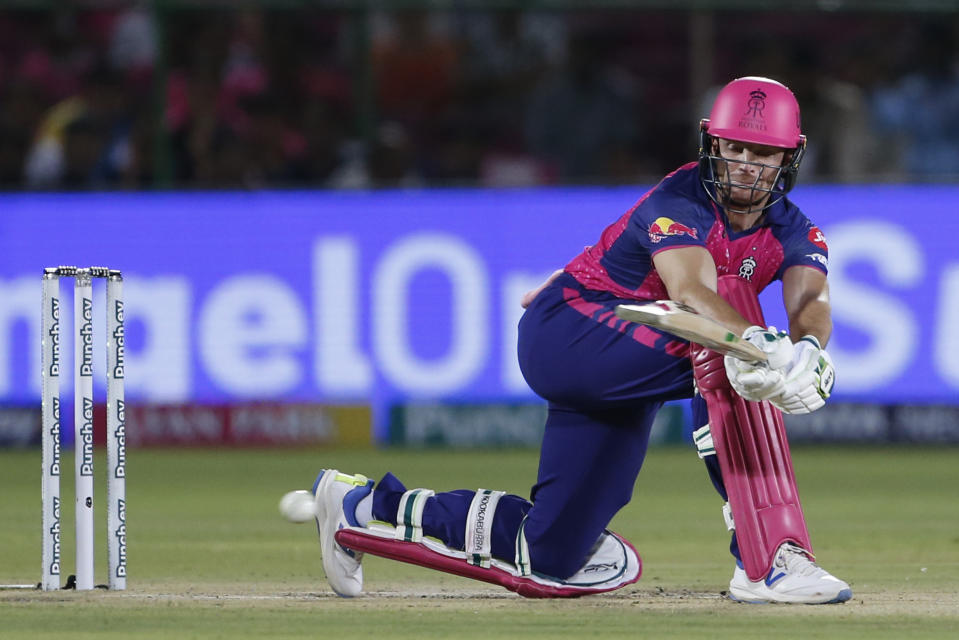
683,321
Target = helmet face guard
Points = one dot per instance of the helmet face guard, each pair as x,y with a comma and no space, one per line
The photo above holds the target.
751,110
714,174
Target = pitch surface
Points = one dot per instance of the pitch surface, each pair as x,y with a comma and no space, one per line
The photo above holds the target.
210,556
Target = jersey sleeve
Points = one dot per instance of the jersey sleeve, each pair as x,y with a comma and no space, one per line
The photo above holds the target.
665,221
804,245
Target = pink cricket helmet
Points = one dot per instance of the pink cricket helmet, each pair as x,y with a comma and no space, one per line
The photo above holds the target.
757,110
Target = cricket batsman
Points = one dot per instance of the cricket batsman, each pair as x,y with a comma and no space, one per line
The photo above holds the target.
712,234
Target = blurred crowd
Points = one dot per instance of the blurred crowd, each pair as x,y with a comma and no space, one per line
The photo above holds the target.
118,98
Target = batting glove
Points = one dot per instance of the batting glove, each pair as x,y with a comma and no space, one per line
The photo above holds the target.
775,344
756,381
809,379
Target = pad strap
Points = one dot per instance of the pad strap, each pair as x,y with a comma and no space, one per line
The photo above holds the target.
522,551
728,517
704,442
479,527
409,515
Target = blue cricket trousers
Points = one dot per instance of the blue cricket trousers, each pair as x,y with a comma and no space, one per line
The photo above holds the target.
604,379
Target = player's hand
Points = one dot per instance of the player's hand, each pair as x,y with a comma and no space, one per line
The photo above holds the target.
529,296
756,381
753,381
808,380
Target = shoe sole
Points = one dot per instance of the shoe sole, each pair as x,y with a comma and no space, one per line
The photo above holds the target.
841,597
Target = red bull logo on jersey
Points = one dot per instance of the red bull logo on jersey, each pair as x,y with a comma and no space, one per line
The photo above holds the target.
664,226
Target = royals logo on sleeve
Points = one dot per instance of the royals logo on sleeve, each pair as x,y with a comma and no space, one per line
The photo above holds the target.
820,258
663,226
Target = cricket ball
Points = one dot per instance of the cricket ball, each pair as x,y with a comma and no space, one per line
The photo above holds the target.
297,506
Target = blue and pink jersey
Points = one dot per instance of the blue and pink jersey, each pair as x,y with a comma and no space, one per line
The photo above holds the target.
677,213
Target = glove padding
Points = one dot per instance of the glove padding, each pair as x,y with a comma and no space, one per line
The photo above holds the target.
809,379
756,381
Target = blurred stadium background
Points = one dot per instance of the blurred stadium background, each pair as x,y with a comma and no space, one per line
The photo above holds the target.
326,211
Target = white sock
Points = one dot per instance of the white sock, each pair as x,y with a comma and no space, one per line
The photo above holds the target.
364,510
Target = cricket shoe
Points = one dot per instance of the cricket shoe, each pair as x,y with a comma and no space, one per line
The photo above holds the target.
793,578
336,496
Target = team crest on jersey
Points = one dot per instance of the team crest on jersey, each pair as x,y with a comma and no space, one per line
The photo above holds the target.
747,268
817,238
664,226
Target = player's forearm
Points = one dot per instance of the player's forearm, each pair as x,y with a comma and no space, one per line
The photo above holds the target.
708,303
813,318
806,297
689,275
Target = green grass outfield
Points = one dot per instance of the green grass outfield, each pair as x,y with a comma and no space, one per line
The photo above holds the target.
210,557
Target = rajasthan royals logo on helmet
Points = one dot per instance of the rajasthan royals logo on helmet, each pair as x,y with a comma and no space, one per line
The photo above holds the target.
756,103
